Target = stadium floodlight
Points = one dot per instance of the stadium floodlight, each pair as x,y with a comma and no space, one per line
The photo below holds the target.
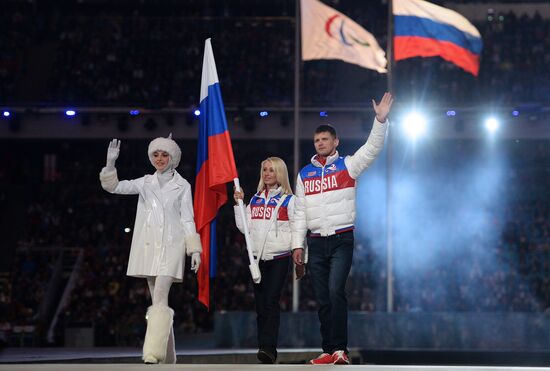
491,124
70,112
415,125
197,112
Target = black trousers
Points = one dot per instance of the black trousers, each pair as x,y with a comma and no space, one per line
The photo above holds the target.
268,296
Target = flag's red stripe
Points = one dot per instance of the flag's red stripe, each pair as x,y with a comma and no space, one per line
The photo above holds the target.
207,199
203,275
220,151
414,46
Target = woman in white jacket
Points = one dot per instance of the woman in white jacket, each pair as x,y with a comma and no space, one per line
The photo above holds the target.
164,232
270,216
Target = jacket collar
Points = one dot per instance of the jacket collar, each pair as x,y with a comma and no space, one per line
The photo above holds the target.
176,182
270,194
177,179
330,160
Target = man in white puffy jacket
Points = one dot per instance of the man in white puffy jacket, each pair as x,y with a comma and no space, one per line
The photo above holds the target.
325,205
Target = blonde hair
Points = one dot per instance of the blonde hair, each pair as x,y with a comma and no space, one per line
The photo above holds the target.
281,173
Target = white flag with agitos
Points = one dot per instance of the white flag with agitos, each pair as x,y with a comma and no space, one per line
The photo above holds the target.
329,34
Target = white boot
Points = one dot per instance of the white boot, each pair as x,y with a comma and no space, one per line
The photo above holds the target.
171,356
159,325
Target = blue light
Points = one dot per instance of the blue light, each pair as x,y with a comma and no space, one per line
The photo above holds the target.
323,114
515,113
451,113
197,112
70,112
7,113
134,112
264,113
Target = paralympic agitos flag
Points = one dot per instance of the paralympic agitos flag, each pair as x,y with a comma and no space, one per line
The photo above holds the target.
423,29
215,168
329,34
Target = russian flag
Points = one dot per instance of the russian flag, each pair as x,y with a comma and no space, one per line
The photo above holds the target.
215,168
423,29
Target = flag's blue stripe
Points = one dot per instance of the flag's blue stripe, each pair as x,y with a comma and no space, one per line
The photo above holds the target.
423,27
213,248
212,109
212,121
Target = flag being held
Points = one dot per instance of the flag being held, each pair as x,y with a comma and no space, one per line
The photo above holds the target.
215,168
329,34
423,29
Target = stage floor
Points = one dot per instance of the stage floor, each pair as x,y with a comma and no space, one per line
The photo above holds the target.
114,355
234,367
122,359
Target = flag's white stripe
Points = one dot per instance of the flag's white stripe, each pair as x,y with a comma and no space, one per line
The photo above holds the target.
209,72
424,9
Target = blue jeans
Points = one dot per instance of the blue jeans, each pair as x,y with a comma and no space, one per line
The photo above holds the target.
329,263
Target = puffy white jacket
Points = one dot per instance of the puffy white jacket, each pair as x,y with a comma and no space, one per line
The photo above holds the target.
275,235
164,229
325,195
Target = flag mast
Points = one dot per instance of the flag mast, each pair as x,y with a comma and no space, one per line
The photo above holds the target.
297,65
389,46
389,160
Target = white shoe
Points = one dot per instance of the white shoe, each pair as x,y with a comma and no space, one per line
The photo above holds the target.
150,360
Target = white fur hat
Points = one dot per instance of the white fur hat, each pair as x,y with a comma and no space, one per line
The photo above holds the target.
166,145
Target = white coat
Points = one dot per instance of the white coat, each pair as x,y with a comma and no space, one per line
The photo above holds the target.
164,230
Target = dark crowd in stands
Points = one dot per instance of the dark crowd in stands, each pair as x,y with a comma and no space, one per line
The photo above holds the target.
148,55
151,55
66,209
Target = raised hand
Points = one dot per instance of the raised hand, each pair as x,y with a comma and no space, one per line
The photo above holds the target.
383,108
112,153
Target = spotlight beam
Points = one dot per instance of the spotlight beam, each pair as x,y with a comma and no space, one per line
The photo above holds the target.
414,125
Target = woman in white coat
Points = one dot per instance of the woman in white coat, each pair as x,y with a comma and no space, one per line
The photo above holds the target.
164,232
270,216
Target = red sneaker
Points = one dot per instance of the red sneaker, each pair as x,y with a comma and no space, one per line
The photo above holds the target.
340,358
323,359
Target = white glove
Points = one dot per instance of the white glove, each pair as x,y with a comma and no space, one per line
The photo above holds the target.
195,261
112,153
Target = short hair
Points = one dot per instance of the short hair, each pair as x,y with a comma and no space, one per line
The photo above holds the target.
326,128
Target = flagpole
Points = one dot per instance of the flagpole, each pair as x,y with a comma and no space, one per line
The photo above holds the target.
297,59
389,170
389,46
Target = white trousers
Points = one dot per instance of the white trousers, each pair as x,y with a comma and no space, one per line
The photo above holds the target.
159,288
